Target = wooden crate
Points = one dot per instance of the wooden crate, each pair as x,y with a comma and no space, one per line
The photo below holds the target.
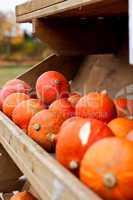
73,29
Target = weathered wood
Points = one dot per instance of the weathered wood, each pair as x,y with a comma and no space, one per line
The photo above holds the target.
46,175
9,173
34,5
76,8
66,65
81,36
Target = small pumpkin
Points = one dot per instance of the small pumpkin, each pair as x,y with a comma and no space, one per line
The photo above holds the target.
96,105
51,85
43,128
12,101
24,111
63,108
121,126
75,137
74,98
107,168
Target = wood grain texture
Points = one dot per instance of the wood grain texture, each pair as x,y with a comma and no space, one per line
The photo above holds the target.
9,173
46,175
34,5
78,8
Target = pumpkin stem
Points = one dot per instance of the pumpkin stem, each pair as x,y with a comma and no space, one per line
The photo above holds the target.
37,127
109,180
51,137
73,165
104,92
57,82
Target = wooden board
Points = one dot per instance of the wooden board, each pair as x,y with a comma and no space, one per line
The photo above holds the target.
46,175
74,8
34,5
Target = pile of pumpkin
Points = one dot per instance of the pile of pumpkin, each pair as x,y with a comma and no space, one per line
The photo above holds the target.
91,134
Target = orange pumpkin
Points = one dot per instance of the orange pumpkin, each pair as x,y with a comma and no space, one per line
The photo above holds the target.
25,110
107,168
75,137
74,98
23,196
121,107
121,126
96,105
43,128
130,136
50,86
12,101
63,108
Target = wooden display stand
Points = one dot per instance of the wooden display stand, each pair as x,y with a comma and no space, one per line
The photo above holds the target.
75,30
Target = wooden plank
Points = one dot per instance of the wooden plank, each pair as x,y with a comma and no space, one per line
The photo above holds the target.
77,8
44,173
66,65
9,173
34,5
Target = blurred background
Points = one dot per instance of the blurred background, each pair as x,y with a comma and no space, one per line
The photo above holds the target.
18,49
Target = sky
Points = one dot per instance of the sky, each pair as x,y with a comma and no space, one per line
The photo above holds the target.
9,6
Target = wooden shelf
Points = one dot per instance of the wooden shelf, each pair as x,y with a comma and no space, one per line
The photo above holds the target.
70,8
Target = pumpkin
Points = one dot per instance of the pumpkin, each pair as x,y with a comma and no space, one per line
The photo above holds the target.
121,126
74,98
63,108
51,86
43,128
19,82
75,137
107,168
24,111
12,101
121,107
23,196
96,105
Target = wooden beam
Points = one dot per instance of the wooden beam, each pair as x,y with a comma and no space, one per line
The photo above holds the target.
80,36
74,8
46,175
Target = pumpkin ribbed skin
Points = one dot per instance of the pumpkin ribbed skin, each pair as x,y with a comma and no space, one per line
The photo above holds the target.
12,101
51,86
43,128
74,98
25,110
63,108
107,168
121,126
96,105
23,196
75,137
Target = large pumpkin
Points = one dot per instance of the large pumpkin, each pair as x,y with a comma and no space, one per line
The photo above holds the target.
43,128
23,196
63,108
50,86
24,111
12,101
107,168
96,105
75,137
121,126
